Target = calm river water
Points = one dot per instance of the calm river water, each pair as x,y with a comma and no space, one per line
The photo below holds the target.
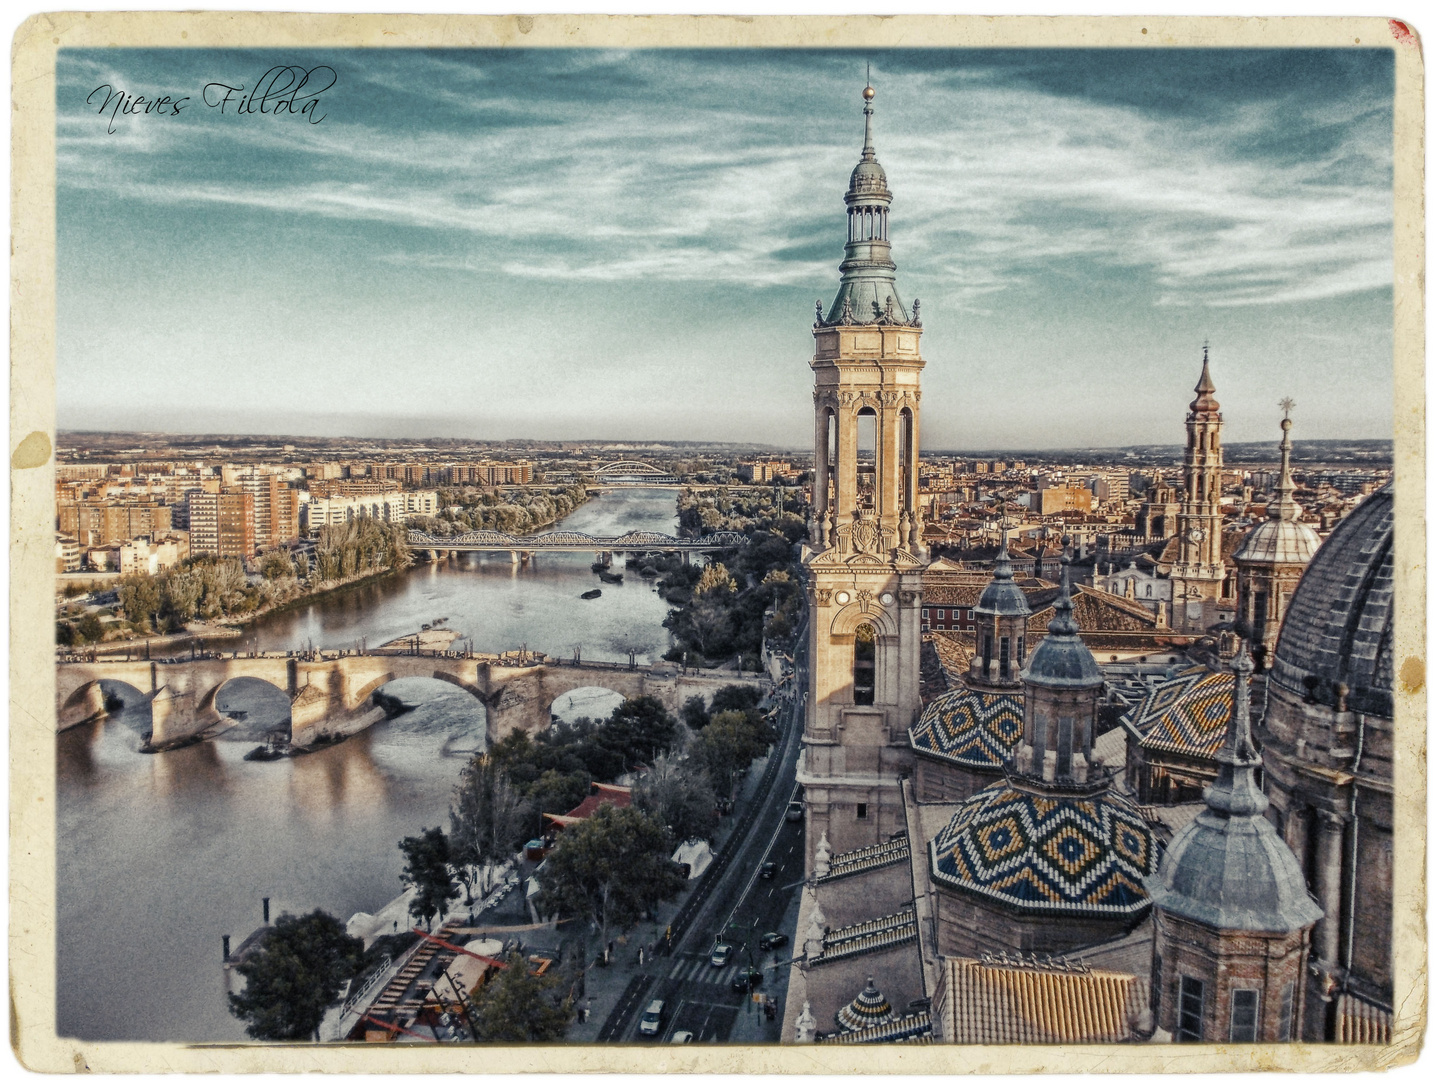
160,854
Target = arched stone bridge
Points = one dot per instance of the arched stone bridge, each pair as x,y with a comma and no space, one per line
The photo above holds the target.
635,541
335,696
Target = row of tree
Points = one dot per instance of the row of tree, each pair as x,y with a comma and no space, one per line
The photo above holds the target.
514,512
209,587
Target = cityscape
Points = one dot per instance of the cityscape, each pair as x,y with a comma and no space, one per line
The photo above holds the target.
865,728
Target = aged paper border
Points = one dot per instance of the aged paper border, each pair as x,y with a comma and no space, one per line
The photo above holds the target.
32,292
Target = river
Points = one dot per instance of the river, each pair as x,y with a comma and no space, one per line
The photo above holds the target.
158,855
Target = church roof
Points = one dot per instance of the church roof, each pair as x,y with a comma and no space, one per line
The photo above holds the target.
1338,627
972,727
1021,1004
1044,853
1184,714
1062,659
1276,540
871,857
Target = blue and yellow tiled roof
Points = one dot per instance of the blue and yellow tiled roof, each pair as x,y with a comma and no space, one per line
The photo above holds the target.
1185,714
1063,854
971,727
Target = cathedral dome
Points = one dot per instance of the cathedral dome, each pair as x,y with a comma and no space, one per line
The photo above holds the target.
1228,868
971,727
1233,873
1279,541
1339,625
1042,853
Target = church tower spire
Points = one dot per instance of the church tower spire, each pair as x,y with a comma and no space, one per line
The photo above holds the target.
865,557
1199,574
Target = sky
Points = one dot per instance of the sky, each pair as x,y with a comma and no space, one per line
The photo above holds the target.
629,245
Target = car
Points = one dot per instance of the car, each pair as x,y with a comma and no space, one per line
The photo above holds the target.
683,1036
746,978
795,811
720,954
772,940
652,1017
767,870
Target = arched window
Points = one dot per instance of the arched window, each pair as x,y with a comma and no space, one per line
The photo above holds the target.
907,456
866,437
865,664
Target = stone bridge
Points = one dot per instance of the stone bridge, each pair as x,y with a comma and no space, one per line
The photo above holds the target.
334,696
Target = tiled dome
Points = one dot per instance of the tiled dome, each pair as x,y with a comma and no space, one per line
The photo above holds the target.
869,1009
1338,627
1279,541
1063,855
971,727
1185,713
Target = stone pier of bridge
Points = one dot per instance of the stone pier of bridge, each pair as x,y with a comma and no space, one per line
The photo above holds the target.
334,696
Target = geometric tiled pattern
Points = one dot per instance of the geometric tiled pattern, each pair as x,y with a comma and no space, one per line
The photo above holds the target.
1186,714
1046,853
971,727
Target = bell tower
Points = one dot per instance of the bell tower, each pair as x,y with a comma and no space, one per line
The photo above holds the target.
1199,574
864,558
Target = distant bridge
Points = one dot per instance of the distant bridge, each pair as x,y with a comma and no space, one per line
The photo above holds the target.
634,541
630,473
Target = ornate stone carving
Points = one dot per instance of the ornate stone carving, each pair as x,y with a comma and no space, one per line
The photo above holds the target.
847,398
865,536
865,597
909,597
890,398
915,316
822,597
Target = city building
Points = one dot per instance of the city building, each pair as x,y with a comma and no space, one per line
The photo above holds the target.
864,560
1058,500
1270,562
395,506
222,523
99,522
277,507
67,553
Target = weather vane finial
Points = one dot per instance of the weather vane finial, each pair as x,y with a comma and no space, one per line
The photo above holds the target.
1287,404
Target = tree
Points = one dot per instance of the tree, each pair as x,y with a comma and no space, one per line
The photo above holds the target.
638,729
427,867
728,744
694,713
610,869
556,792
680,798
294,976
89,628
488,819
515,1006
140,597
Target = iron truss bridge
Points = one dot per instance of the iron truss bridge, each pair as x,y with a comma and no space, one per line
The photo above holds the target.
489,540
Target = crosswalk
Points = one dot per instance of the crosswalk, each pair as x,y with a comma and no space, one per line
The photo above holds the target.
700,971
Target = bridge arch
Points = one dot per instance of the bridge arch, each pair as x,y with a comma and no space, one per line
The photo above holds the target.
630,468
592,702
96,699
249,708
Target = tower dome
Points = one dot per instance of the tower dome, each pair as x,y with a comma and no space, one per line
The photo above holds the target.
1228,868
1002,596
1282,537
867,285
1338,628
1062,659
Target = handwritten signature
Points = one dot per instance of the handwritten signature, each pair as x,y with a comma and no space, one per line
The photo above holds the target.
284,90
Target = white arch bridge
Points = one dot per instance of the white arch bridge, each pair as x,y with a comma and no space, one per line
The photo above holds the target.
633,473
634,541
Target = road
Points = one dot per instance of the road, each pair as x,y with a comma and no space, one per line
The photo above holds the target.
735,902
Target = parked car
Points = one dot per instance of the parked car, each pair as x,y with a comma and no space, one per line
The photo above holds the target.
746,978
767,870
772,940
720,954
795,811
683,1036
650,1020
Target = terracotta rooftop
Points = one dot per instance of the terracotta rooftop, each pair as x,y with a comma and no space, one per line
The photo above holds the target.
1011,1003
